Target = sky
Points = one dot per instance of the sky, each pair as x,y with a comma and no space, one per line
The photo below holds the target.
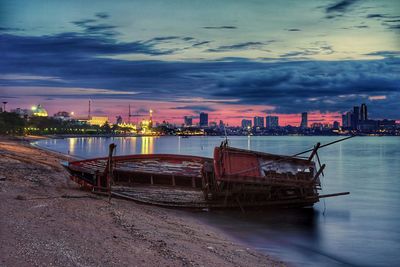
232,59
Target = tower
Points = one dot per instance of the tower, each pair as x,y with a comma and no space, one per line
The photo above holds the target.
151,118
304,120
364,112
356,117
89,112
4,106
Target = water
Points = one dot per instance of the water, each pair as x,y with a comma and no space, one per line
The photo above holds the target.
361,229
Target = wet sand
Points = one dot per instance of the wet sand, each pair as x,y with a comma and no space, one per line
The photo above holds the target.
46,220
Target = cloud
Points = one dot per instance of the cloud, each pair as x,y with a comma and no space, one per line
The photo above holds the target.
93,27
197,108
74,65
377,97
239,46
200,43
102,15
385,54
339,8
317,48
293,30
220,27
391,22
9,29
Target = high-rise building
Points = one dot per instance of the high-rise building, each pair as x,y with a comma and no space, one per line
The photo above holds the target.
246,123
356,117
364,112
203,119
258,121
304,120
272,121
188,121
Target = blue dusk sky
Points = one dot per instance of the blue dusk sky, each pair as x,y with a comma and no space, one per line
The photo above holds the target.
233,59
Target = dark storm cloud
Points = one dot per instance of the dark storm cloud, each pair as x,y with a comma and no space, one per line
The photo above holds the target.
317,48
220,27
339,8
8,29
391,22
77,61
102,15
72,45
94,27
200,43
196,108
239,46
386,54
293,30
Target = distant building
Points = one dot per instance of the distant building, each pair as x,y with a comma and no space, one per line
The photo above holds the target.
356,117
246,123
203,119
62,115
364,112
22,112
119,120
98,120
187,121
347,120
317,126
336,125
272,121
213,124
259,122
304,120
39,111
221,124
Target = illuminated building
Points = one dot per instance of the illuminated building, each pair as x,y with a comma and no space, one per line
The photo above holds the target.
132,127
39,111
98,120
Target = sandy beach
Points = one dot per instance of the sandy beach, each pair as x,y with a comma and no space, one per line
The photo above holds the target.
46,220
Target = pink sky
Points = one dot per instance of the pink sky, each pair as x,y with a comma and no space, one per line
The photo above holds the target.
229,113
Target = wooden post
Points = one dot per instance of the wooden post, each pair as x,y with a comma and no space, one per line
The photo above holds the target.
314,151
319,172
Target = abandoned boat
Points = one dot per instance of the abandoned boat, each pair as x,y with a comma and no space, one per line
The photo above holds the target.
233,178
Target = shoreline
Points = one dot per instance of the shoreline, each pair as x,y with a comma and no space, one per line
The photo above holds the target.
50,221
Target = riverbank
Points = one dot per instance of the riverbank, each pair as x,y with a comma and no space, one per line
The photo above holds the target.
47,220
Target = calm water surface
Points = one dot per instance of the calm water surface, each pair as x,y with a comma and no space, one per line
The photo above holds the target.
362,229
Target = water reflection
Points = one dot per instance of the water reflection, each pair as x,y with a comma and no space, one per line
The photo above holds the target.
147,145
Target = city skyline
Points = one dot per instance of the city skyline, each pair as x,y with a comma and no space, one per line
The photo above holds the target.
278,59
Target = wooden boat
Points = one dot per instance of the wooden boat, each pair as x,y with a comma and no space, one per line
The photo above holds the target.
234,178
